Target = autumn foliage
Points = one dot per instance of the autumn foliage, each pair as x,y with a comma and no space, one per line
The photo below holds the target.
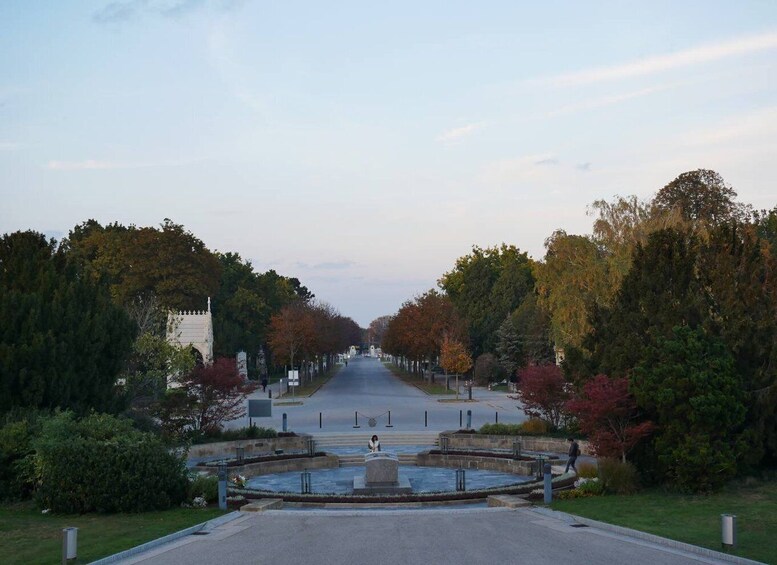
544,393
608,413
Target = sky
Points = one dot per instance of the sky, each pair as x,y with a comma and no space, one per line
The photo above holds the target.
362,146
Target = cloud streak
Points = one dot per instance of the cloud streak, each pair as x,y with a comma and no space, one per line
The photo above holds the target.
457,134
605,101
660,63
87,165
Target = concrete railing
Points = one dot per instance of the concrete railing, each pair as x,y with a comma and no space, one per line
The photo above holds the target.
494,442
278,466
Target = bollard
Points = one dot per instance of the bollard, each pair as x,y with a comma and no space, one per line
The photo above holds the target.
460,418
356,420
496,418
305,482
69,544
319,420
728,533
426,419
389,421
222,487
469,419
285,422
269,393
470,392
461,480
540,465
548,486
516,449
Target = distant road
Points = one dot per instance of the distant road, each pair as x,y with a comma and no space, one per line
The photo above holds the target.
367,387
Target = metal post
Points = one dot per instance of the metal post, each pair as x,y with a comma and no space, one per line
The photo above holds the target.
389,421
320,420
469,419
426,419
444,444
285,422
240,454
222,487
470,392
728,533
540,464
461,481
69,544
311,447
548,486
305,482
461,412
356,420
496,418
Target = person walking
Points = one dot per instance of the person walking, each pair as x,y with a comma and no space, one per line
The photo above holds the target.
574,451
374,444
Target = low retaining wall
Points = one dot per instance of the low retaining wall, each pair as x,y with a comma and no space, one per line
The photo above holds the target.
460,461
528,443
280,466
252,446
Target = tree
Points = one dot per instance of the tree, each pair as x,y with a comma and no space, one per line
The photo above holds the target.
485,286
377,330
291,331
571,281
488,369
455,358
62,341
544,393
702,197
688,385
215,394
608,414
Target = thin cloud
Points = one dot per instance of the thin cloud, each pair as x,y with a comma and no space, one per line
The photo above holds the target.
660,63
125,10
457,134
547,161
87,165
584,167
605,101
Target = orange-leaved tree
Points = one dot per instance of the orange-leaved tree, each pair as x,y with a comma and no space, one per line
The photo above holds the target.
455,358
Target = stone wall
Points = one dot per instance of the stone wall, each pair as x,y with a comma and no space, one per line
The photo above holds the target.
528,443
456,461
252,446
282,466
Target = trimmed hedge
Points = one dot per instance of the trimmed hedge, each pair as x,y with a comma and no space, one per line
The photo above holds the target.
102,464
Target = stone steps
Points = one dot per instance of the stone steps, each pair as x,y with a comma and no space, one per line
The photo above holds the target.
355,460
347,439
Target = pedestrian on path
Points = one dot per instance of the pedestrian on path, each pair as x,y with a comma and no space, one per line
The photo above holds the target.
574,451
264,384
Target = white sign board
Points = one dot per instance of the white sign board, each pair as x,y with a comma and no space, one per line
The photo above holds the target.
293,378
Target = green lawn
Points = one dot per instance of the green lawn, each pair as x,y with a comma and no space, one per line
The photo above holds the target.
31,537
418,381
694,519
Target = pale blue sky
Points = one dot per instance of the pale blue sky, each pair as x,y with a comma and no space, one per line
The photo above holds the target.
363,147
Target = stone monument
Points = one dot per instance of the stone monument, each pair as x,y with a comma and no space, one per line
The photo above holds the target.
381,476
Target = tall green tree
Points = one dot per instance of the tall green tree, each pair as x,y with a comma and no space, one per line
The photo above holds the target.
485,286
62,340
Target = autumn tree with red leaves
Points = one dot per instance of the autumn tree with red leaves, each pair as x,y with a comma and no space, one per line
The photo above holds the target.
544,393
608,413
214,394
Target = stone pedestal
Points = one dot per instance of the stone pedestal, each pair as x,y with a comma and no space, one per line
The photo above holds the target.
381,476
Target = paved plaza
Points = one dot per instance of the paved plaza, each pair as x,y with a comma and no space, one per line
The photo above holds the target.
367,387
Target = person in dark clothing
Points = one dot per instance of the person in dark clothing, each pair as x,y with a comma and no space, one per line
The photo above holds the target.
574,451
264,384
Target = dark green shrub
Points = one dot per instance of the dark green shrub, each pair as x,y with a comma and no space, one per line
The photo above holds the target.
206,486
618,477
501,429
101,463
252,432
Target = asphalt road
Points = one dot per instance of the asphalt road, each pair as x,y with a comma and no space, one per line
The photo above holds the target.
412,537
366,387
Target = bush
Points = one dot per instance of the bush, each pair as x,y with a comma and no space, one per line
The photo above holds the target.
534,426
618,477
571,494
206,486
592,487
587,471
101,463
501,429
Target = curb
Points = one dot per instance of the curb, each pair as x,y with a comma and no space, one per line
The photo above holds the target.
644,536
209,525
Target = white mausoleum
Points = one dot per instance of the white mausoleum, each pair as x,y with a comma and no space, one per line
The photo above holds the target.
192,329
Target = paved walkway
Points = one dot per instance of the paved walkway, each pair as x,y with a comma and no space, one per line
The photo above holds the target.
367,387
410,537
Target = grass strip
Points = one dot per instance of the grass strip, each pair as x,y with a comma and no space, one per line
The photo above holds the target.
693,519
30,537
418,381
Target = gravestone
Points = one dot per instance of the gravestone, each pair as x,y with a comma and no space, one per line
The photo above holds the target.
381,476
